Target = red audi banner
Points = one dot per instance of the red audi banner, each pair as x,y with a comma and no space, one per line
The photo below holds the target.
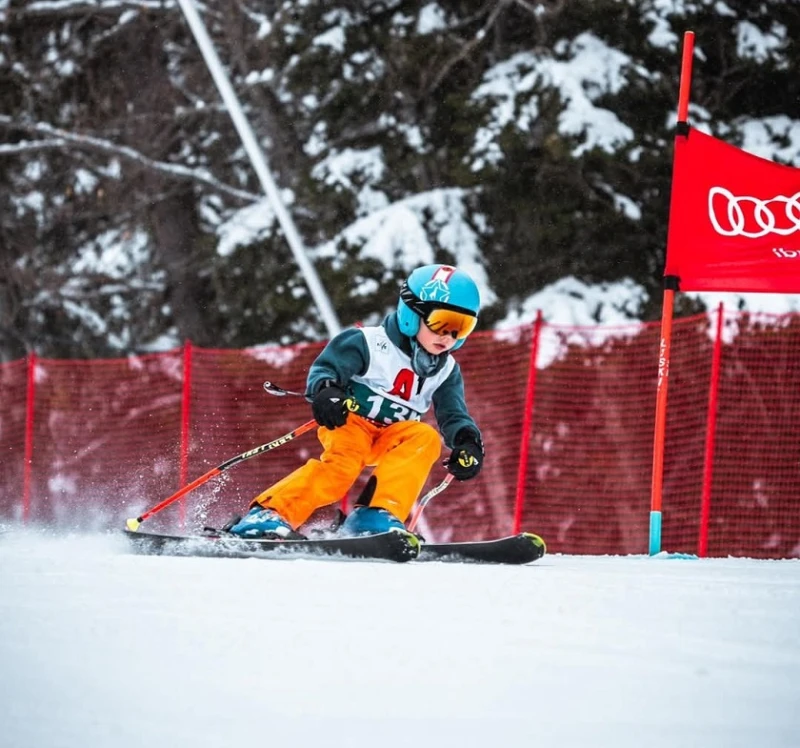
734,221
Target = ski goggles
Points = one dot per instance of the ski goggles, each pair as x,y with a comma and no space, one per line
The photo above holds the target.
457,325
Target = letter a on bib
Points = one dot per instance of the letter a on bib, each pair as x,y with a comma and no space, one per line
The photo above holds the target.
403,384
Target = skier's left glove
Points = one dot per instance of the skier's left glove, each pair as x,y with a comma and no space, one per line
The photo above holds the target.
466,459
329,406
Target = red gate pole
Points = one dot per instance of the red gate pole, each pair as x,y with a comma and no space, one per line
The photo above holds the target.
671,285
711,430
660,428
186,406
30,401
527,424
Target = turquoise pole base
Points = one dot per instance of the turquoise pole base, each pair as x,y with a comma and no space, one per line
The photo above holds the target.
655,533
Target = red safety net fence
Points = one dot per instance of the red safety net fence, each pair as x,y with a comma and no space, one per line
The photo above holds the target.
569,442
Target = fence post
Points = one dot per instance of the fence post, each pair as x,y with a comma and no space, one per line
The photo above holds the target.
30,402
527,424
711,430
186,405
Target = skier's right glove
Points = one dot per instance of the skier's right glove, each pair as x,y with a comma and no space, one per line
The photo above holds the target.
466,459
329,406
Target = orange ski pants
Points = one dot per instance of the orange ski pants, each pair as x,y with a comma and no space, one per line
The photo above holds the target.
402,453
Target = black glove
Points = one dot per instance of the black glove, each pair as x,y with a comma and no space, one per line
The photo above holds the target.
466,459
329,407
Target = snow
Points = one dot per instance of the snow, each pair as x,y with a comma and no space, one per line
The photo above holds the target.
101,648
333,38
246,226
432,18
398,235
114,254
341,169
570,301
760,135
588,70
755,44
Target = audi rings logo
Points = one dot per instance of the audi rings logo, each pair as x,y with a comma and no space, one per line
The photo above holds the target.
752,217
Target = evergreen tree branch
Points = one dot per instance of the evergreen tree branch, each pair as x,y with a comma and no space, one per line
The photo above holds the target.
60,139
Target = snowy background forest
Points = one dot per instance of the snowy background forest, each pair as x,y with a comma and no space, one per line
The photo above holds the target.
528,141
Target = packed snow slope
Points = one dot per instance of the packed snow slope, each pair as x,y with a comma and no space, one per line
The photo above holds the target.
100,648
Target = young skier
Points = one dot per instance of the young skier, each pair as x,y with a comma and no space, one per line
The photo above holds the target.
368,390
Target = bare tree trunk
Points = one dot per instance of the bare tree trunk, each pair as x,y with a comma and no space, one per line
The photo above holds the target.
176,236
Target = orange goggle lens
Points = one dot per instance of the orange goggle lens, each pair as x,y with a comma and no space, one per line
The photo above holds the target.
448,322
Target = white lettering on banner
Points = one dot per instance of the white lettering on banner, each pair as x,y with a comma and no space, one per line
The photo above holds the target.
790,254
766,214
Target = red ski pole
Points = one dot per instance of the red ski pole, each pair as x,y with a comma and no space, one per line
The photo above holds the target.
133,524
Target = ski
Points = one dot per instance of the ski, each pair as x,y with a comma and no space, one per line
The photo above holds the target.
514,549
396,546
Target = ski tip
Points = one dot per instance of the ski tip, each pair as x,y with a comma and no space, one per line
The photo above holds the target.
411,545
537,541
132,524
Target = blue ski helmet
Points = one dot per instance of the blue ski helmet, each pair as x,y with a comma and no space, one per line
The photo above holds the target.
439,287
